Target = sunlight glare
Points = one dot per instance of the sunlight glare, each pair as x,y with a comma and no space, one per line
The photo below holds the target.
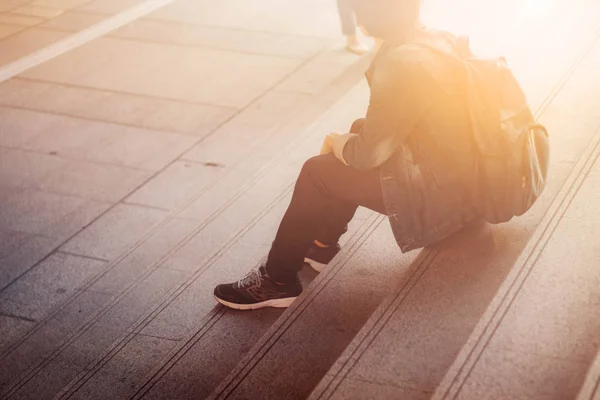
537,8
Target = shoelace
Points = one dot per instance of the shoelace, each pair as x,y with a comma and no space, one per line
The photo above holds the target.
253,278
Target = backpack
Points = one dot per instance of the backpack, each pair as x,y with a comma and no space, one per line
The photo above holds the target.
512,150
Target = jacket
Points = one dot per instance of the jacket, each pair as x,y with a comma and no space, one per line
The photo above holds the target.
416,132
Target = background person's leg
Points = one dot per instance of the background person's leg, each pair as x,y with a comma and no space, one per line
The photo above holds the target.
349,30
326,196
346,17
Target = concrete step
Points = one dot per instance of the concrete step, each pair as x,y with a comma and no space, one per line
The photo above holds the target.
207,340
412,339
158,289
539,335
296,352
144,323
209,352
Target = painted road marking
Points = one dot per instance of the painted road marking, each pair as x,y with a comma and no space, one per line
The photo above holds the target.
87,35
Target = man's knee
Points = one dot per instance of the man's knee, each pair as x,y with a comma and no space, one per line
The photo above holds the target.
318,163
322,169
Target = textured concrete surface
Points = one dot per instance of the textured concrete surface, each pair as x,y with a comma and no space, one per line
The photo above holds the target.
132,67
26,41
546,336
55,279
121,108
414,338
186,315
140,169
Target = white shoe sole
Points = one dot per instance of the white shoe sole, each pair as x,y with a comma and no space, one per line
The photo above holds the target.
358,50
276,303
315,265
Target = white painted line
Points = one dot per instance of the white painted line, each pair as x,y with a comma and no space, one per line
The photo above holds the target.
87,35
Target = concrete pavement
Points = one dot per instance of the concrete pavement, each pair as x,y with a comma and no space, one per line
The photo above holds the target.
132,163
145,166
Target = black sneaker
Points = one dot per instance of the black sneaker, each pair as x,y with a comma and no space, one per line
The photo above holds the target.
257,290
318,257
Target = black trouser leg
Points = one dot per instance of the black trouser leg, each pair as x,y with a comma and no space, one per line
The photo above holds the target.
325,198
329,233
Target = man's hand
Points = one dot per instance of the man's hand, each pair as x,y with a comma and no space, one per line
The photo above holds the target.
334,143
329,142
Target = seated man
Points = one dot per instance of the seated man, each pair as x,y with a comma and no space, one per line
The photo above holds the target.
410,159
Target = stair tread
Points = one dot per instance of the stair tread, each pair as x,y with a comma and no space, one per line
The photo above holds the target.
414,335
243,231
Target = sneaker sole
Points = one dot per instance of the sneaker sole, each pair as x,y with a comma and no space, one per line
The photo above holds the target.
275,303
317,266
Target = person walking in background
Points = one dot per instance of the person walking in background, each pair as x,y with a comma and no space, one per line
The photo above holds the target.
349,28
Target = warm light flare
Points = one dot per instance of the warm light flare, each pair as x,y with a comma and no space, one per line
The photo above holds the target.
493,26
536,9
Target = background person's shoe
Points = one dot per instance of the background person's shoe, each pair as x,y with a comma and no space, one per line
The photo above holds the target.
354,45
318,257
257,290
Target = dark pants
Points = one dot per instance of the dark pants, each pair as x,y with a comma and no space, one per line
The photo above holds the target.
326,196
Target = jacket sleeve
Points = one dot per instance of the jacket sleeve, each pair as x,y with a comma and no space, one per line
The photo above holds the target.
400,98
